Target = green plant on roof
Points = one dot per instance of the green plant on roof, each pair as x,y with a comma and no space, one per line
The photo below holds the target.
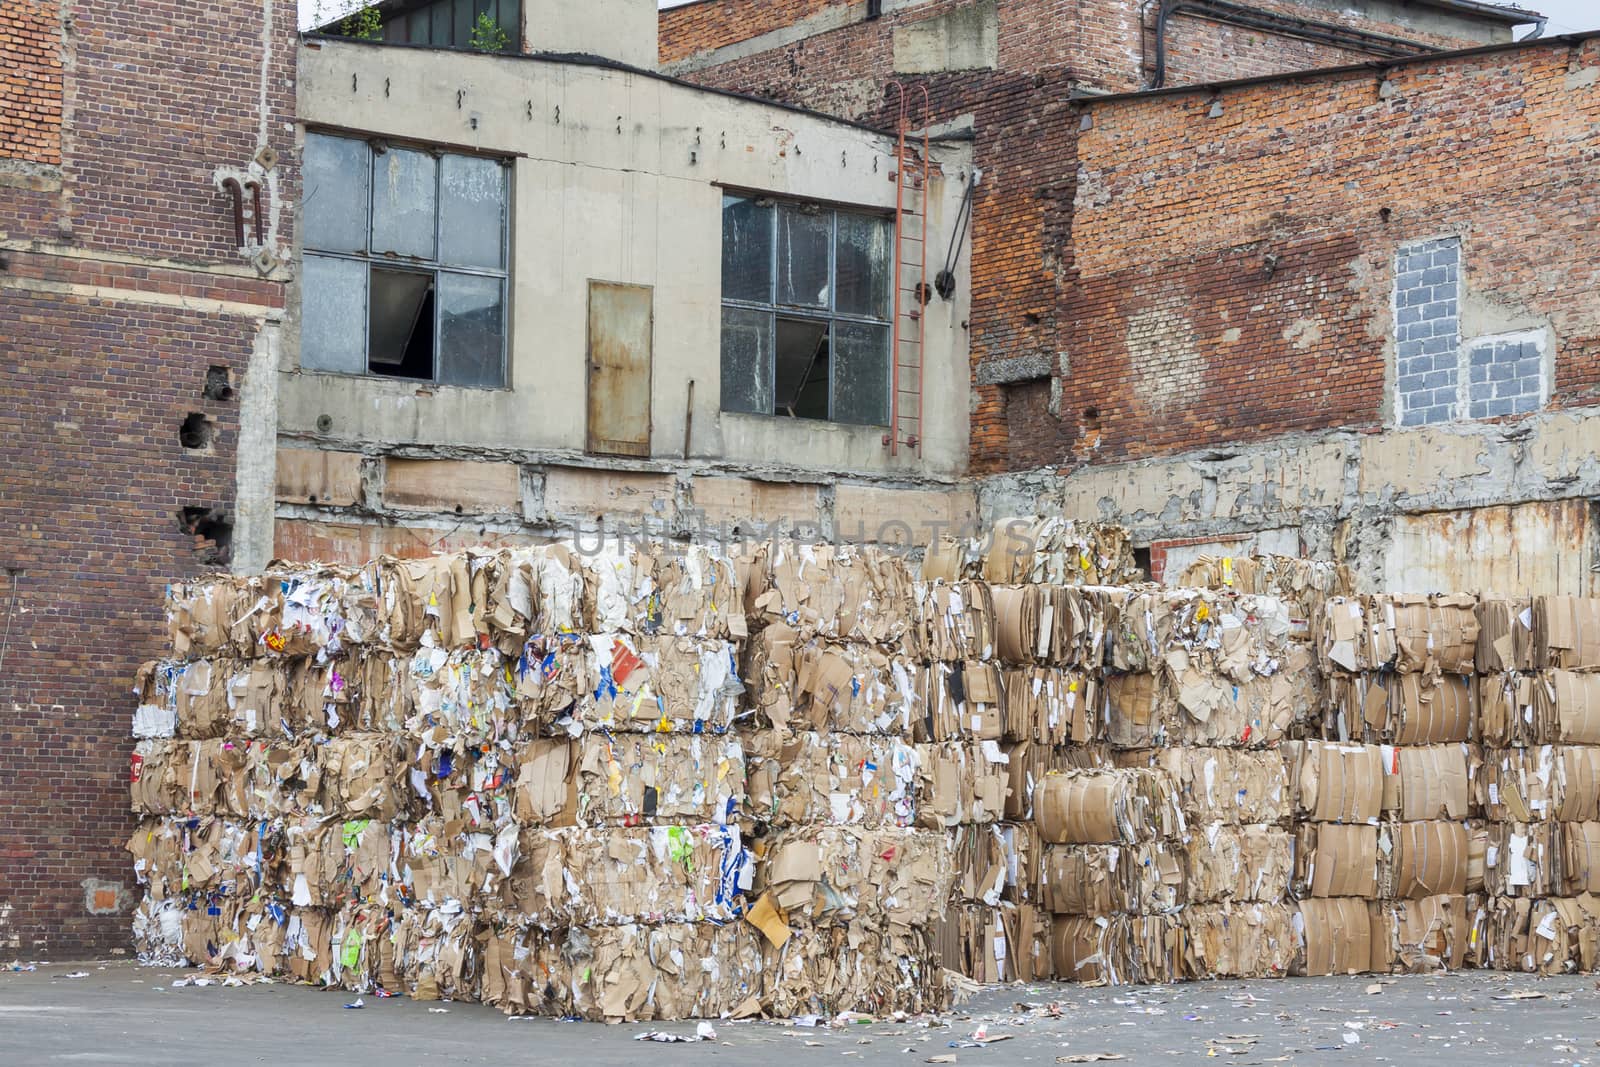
487,36
363,25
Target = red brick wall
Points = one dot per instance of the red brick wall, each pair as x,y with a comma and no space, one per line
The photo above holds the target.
30,81
1231,275
119,287
1027,296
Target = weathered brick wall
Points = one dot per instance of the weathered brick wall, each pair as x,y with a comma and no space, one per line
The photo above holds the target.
120,289
1022,257
30,81
1233,273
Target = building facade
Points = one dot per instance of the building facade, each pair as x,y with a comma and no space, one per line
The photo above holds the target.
147,191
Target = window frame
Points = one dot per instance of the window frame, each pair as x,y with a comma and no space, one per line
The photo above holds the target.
774,309
435,267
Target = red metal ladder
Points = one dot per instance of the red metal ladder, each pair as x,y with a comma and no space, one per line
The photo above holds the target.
911,291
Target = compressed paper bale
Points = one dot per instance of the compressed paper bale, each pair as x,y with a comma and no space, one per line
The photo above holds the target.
1505,636
830,969
1421,936
443,597
1517,784
467,695
1050,549
956,620
1423,859
1303,584
218,856
1093,951
958,784
961,701
1239,863
995,862
1579,870
553,679
1507,715
443,864
1403,632
872,879
1428,781
1230,785
1567,705
835,779
1566,633
436,953
1336,860
1406,709
1522,859
659,777
327,862
842,592
693,592
649,684
1332,936
1091,880
1555,935
1335,782
1109,806
1251,940
362,776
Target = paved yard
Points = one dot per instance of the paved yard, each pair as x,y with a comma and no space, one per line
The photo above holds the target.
124,1014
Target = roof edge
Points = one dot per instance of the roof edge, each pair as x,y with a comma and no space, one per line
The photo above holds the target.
1314,73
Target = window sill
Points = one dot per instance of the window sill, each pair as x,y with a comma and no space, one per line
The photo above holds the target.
400,384
809,424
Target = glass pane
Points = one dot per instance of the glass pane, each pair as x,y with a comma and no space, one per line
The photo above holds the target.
472,211
801,366
746,250
418,27
746,361
403,193
472,319
333,314
511,22
803,245
463,35
439,17
865,270
400,329
861,374
336,176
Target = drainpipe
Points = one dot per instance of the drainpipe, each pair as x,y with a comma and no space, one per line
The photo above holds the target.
1538,28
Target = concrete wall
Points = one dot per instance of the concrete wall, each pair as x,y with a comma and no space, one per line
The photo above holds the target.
624,30
618,176
1497,507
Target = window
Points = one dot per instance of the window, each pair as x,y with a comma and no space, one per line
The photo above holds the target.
404,273
449,23
1440,378
806,306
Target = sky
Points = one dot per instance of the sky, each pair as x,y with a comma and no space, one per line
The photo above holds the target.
1566,16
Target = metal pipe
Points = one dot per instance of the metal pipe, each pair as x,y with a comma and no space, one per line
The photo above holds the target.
260,227
232,187
1318,32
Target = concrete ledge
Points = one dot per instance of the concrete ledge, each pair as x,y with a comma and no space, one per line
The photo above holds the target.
1013,370
448,485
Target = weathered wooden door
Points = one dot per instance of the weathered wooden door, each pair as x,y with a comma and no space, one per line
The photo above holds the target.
621,320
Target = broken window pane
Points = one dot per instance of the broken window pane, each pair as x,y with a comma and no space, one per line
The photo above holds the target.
802,369
746,250
805,239
403,197
400,323
864,265
747,361
333,314
336,176
471,330
472,211
861,374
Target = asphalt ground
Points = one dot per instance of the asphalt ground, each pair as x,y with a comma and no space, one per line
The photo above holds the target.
122,1013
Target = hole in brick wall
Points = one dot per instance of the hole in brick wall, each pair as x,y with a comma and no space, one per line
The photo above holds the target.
219,384
1091,418
197,431
212,530
1032,317
1141,559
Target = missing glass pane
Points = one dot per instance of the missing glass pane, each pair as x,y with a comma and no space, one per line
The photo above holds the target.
802,369
400,326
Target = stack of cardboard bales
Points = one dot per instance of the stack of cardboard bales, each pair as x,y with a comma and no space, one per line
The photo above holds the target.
1539,667
526,776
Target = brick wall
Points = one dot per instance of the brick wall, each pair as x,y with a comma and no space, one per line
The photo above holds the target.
1026,296
1233,258
121,291
30,81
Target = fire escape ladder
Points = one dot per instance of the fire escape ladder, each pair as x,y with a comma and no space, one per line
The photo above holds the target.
911,289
